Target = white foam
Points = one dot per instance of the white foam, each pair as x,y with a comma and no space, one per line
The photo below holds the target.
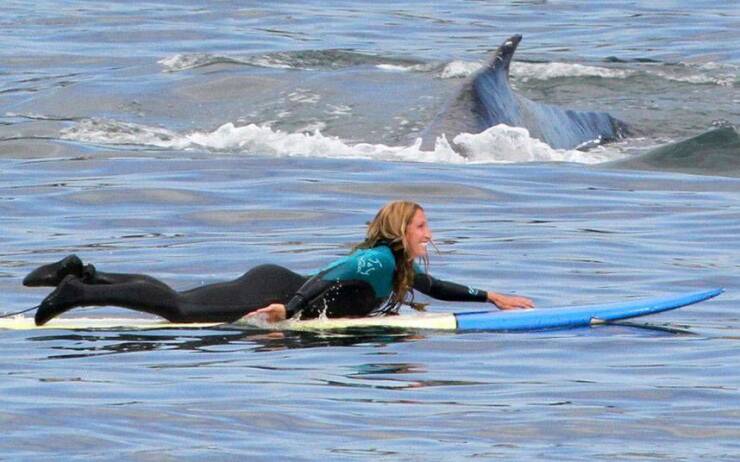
724,80
339,110
100,131
393,68
536,71
710,73
459,69
714,66
499,144
546,71
272,62
525,71
181,62
406,68
304,96
726,74
505,144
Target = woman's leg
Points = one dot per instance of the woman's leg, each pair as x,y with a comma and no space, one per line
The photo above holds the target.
53,274
90,275
221,302
137,293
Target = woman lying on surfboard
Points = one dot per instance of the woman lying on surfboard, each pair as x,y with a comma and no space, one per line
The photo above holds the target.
376,278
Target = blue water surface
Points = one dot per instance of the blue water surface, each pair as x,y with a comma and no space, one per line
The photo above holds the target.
92,162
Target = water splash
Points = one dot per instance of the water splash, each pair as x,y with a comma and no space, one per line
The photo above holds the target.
537,71
499,144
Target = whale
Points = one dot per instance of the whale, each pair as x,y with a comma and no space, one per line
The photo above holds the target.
486,99
715,152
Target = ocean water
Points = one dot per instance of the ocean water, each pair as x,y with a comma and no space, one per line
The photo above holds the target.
194,140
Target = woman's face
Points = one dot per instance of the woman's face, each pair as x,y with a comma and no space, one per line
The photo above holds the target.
418,235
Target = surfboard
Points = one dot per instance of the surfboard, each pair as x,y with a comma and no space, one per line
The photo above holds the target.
542,318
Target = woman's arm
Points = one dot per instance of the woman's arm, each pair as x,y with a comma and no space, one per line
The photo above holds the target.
307,292
446,290
453,292
311,289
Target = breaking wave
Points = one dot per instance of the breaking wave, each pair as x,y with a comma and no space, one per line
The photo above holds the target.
725,75
704,74
297,60
499,144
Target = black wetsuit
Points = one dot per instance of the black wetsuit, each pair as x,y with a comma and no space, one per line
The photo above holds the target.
353,286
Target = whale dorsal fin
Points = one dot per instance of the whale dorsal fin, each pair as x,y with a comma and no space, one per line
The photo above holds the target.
503,55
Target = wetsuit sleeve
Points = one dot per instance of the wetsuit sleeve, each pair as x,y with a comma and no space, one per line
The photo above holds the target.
446,290
311,289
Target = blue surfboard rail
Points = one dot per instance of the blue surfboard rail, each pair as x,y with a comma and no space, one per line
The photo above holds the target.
573,316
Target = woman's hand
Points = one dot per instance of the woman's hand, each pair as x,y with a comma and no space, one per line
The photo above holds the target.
509,302
272,313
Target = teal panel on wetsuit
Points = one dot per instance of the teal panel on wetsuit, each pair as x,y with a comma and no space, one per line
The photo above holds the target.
374,266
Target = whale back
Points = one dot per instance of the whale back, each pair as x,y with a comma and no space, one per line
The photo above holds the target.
486,99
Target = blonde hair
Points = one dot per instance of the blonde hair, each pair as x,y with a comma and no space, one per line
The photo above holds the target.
389,228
